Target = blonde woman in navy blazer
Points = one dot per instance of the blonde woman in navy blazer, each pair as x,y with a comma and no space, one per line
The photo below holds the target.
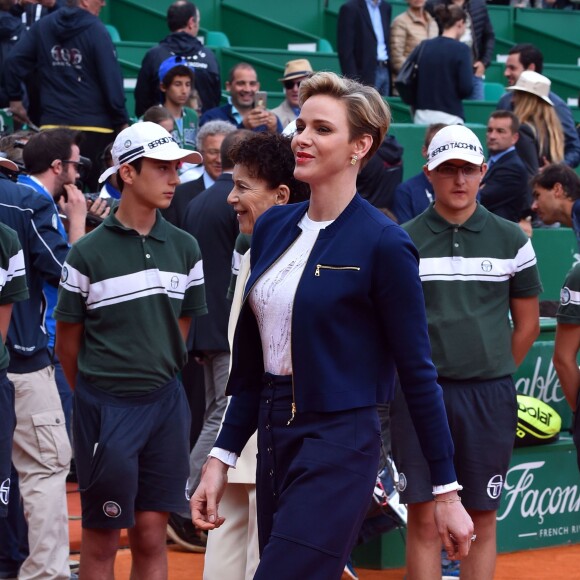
334,300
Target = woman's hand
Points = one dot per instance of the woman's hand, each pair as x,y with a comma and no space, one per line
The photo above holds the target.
205,500
454,525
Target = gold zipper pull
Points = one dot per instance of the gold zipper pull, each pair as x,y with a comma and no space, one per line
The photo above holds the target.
293,414
317,273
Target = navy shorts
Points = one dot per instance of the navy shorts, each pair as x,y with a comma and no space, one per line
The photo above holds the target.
482,418
131,453
7,425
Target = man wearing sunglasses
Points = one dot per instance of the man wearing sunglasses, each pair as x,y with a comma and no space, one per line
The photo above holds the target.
476,269
294,73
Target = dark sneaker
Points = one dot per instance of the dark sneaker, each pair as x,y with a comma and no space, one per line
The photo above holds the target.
182,531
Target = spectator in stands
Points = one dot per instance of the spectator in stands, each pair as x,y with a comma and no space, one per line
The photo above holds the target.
176,81
475,269
504,188
534,109
214,225
81,84
160,115
478,36
11,29
294,73
242,110
41,451
556,193
183,22
31,11
209,141
408,30
444,74
363,42
524,57
413,196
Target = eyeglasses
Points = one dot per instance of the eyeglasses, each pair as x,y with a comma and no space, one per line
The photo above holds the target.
451,171
77,164
291,84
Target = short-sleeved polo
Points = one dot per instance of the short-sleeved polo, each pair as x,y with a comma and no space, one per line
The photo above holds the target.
12,278
469,274
129,291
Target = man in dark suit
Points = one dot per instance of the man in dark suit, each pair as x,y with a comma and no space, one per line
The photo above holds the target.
214,224
504,189
363,41
209,140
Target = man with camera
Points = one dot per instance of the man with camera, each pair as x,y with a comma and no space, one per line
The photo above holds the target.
247,106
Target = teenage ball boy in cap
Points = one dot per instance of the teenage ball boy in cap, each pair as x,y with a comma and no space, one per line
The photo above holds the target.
475,268
127,294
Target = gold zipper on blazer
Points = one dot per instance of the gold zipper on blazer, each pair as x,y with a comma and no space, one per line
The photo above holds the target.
323,267
293,408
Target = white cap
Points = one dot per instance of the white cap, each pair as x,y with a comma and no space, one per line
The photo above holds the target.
454,142
7,164
532,82
146,139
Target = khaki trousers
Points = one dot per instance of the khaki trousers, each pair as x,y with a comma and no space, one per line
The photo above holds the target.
41,454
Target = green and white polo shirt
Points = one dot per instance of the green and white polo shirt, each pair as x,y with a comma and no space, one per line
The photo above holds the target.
469,273
12,278
129,291
569,309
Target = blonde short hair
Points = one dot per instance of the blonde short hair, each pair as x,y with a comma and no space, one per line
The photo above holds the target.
367,112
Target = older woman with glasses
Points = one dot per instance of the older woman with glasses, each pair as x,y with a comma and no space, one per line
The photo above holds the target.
332,305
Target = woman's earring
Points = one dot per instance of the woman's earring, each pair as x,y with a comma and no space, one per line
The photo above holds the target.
354,159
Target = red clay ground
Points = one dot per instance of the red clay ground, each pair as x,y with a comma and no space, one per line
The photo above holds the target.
547,564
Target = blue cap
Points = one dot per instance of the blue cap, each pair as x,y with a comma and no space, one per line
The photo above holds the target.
170,63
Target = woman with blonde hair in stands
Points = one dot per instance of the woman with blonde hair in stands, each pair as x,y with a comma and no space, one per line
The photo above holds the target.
535,110
333,303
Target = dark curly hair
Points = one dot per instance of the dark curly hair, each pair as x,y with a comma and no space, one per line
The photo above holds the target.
269,157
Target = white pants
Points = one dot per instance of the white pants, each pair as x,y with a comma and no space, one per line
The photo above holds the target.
41,454
232,550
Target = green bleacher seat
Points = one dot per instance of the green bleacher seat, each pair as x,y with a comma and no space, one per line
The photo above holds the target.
113,33
215,38
493,91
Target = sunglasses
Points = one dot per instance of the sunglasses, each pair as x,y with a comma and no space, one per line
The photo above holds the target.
291,84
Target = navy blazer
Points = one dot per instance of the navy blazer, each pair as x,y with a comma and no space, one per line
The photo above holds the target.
504,189
356,40
358,310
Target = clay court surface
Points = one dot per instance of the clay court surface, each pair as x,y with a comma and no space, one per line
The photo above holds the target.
561,563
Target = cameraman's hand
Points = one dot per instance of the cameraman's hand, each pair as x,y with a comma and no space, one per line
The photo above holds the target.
99,208
75,209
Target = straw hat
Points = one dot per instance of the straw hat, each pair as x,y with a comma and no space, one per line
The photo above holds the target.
532,82
296,69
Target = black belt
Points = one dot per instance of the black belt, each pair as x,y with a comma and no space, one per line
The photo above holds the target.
383,63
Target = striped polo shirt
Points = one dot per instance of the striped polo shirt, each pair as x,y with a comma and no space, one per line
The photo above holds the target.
569,309
129,291
12,278
469,274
